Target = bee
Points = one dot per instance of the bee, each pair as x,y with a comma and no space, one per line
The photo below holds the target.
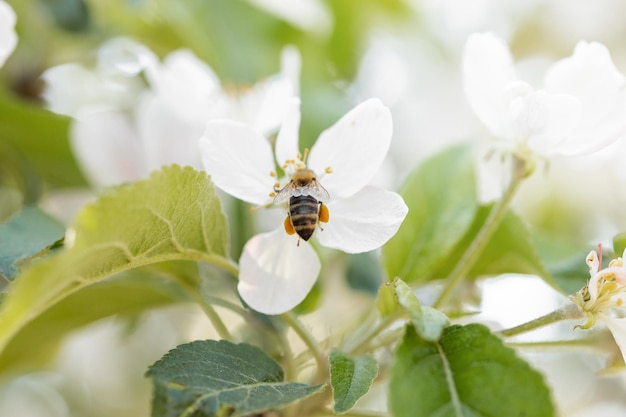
306,203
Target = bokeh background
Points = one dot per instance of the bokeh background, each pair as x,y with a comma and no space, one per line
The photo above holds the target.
406,52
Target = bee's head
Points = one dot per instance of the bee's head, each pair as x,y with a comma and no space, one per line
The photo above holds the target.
303,177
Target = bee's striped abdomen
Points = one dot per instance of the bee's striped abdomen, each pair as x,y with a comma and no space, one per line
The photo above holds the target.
303,211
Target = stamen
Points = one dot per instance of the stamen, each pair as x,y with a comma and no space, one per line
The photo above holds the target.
599,256
306,153
328,170
272,174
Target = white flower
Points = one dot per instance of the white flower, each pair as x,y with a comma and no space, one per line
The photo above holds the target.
133,114
604,297
579,110
277,270
8,37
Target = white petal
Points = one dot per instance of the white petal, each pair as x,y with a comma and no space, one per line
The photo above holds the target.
544,119
593,262
105,146
287,139
308,15
239,160
189,87
591,76
166,135
271,104
291,66
364,221
184,66
275,273
353,148
125,57
68,87
618,329
487,69
493,174
8,37
71,88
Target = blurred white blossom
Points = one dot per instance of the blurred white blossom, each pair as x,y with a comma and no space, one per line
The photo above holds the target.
277,270
8,37
310,15
579,109
133,113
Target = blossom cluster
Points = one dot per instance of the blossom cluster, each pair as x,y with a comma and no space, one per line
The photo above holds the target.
604,297
133,113
578,110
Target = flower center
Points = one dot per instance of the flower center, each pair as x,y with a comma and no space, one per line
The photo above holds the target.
296,168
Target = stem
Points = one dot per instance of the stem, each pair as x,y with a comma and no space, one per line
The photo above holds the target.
376,331
476,248
214,318
308,340
568,312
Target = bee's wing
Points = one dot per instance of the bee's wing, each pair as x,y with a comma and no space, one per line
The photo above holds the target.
316,190
284,194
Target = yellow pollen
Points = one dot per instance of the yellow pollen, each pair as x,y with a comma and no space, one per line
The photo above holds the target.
619,302
328,170
272,194
272,174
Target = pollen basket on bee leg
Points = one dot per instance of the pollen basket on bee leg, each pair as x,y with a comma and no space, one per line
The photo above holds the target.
288,226
324,214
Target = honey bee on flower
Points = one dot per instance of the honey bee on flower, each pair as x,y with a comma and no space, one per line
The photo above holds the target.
278,268
306,198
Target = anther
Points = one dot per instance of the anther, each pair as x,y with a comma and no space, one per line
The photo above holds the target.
272,174
328,170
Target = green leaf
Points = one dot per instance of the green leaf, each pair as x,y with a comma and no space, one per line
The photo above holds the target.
218,378
398,296
428,322
127,294
71,15
510,250
173,215
469,372
42,138
564,261
24,236
619,243
441,196
350,378
364,273
444,220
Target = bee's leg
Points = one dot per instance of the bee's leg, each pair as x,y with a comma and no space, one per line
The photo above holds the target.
323,215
